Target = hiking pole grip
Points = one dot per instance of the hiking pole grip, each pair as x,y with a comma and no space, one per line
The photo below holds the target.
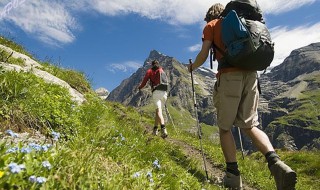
192,84
211,58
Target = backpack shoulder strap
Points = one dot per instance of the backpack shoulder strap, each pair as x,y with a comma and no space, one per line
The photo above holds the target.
214,46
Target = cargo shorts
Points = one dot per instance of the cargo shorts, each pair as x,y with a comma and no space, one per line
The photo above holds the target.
236,99
159,98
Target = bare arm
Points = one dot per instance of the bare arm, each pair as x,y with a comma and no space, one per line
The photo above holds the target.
202,55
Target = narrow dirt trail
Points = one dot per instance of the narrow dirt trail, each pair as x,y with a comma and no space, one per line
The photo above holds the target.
215,171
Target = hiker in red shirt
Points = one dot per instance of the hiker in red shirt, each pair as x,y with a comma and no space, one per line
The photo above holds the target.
159,85
236,99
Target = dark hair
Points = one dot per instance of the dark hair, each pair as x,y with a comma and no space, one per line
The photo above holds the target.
155,65
155,62
214,12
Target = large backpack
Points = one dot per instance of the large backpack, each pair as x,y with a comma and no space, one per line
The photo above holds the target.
163,80
246,37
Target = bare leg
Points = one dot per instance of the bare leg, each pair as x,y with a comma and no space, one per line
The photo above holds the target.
228,145
156,118
259,139
159,117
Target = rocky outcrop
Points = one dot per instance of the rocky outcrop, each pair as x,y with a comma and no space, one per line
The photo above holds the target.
102,93
300,61
34,67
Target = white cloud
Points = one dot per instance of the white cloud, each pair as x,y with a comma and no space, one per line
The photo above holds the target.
282,6
195,48
176,11
171,11
287,39
54,21
48,21
128,66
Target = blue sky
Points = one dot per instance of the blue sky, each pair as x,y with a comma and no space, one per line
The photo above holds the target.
108,40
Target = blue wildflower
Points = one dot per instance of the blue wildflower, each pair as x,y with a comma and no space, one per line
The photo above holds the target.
137,174
26,150
35,146
32,179
12,150
55,135
15,168
46,147
156,164
149,175
11,133
46,164
39,180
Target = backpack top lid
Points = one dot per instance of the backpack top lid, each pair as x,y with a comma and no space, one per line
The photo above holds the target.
252,3
248,9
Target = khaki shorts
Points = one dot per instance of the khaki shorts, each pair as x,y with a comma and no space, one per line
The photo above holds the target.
159,98
236,99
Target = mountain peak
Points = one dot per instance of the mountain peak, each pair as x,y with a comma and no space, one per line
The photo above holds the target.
300,61
154,54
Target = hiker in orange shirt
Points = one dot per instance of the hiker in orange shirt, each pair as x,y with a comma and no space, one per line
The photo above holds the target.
236,99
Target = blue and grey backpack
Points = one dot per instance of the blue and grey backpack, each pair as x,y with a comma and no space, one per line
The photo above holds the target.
246,37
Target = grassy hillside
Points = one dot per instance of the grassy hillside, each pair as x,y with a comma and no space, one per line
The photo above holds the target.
304,111
104,145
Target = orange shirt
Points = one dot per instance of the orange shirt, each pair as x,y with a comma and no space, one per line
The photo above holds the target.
212,32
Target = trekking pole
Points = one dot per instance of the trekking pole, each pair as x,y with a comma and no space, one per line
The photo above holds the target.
241,143
198,125
169,117
211,58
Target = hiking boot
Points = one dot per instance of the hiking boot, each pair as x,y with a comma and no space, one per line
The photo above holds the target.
231,181
164,133
284,176
155,131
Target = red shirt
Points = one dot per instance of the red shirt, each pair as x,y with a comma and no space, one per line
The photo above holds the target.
151,75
